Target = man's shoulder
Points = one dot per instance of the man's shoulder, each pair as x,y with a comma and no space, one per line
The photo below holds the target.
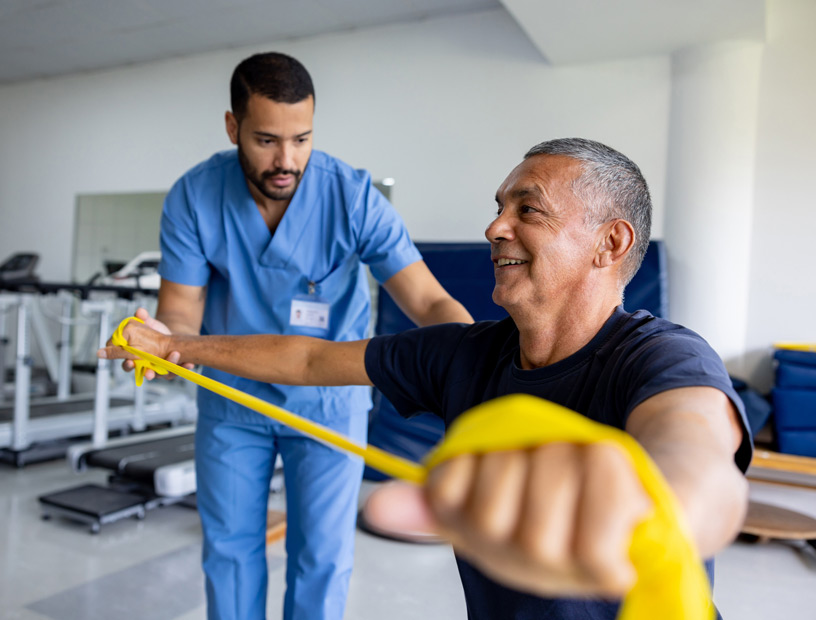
202,186
217,165
480,340
444,335
327,165
641,337
480,330
643,325
501,328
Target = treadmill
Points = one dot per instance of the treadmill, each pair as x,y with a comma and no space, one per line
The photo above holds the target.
32,430
148,471
19,267
159,463
39,429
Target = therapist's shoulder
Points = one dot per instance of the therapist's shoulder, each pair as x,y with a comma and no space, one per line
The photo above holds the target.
212,170
206,176
216,166
343,174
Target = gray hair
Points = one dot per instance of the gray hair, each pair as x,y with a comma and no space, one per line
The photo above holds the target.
611,186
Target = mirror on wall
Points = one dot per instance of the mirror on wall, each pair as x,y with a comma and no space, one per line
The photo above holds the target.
111,229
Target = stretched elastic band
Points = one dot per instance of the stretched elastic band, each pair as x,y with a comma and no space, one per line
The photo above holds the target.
671,583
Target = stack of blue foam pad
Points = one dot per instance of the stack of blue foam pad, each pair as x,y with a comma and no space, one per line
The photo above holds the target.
794,402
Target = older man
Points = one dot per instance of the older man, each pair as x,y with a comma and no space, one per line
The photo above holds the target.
571,229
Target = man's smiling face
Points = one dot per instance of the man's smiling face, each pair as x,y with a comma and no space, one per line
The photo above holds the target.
541,245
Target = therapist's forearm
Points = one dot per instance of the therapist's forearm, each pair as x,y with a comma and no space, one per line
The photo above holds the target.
179,323
422,298
445,310
180,307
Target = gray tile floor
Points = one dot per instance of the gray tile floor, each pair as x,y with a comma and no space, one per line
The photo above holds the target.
150,569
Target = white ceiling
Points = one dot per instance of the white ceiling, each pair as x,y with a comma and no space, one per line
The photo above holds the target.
41,38
573,31
44,38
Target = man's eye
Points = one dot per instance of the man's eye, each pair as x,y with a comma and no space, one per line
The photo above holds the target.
527,209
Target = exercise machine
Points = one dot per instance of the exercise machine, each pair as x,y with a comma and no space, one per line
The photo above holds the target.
37,429
148,470
19,268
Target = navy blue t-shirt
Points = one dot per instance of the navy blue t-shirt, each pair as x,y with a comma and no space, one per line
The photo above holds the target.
447,369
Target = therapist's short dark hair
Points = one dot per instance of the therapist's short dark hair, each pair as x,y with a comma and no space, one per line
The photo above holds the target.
274,75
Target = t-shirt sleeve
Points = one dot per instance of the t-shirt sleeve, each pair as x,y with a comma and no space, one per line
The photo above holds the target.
411,368
183,260
383,241
684,360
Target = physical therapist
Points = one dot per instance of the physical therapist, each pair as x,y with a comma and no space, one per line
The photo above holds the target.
273,237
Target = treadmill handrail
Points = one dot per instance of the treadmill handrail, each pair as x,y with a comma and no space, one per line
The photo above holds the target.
83,290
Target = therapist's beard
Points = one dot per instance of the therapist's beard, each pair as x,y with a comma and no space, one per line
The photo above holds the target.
259,180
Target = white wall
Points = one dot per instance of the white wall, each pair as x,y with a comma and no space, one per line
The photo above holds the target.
782,298
711,168
740,204
446,106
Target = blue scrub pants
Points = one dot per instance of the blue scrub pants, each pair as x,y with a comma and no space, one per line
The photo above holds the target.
234,466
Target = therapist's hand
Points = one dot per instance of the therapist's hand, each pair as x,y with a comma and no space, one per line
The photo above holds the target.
554,521
151,337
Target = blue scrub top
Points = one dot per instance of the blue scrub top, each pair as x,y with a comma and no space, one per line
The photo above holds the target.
213,235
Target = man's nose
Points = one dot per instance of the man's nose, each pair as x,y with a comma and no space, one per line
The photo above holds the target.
500,229
285,156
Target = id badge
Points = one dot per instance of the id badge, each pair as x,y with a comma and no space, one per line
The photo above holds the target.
310,311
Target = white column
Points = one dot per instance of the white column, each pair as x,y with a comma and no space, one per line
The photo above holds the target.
710,191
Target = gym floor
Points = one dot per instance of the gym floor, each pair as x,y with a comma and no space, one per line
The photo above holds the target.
134,570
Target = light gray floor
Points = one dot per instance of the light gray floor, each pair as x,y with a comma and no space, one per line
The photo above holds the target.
135,570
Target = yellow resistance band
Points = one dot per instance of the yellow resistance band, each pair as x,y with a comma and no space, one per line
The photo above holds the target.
671,583
381,460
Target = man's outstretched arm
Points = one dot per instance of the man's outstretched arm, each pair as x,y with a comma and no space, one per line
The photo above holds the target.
558,520
692,434
290,360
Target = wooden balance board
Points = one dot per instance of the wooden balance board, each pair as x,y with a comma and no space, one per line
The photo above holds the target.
765,521
275,526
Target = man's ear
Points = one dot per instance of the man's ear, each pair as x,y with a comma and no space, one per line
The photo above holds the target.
617,238
232,126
